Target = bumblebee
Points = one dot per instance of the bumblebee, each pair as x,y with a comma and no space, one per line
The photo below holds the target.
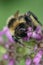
18,24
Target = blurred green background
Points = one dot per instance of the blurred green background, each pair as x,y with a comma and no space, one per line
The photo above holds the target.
9,7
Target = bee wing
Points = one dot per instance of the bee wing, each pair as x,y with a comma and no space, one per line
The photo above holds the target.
35,22
33,18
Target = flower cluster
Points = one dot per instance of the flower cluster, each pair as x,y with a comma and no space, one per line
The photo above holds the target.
13,52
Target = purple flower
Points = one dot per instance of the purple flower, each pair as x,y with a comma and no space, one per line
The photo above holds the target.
36,64
29,34
9,36
25,38
35,48
38,57
3,31
11,62
28,61
38,30
5,57
30,29
6,45
7,33
36,36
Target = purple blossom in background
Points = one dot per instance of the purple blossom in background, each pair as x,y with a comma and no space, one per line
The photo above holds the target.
28,61
7,33
37,58
11,62
35,48
5,57
7,45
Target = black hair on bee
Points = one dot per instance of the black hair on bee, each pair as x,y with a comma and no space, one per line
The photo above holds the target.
21,30
32,20
11,22
12,19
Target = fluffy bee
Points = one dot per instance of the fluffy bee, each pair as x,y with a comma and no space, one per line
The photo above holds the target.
18,24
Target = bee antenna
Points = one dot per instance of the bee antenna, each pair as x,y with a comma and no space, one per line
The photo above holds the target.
16,14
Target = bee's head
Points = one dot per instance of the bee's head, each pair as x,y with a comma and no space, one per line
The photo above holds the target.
21,29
